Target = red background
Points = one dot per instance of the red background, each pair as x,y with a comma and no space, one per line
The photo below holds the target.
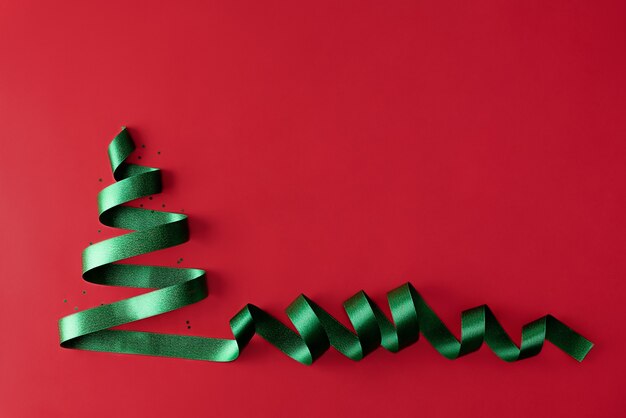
475,150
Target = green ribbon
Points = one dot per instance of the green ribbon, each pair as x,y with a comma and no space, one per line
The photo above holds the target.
174,288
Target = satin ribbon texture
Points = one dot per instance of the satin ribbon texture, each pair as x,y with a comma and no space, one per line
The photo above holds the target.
173,288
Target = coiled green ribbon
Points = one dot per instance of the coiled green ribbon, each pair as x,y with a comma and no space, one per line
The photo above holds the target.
317,330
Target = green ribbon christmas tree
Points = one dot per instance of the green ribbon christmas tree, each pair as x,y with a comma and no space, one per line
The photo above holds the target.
172,288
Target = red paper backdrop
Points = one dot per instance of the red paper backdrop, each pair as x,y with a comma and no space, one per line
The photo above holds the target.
475,150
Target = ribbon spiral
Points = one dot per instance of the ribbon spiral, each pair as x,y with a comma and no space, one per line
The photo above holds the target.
174,288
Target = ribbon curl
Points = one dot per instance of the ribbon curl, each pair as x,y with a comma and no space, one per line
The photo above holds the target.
317,330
